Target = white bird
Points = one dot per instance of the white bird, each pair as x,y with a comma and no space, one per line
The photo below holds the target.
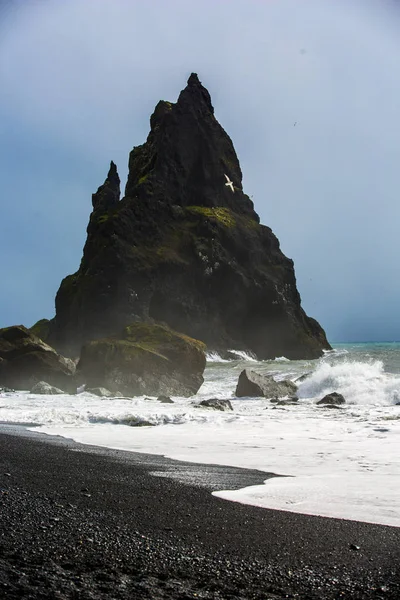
229,183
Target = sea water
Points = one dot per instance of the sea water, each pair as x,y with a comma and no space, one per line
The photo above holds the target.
342,463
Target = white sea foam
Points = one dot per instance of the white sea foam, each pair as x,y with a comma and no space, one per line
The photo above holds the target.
342,463
241,354
214,357
359,382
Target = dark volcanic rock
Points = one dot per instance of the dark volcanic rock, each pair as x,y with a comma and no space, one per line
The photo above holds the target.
27,360
253,384
217,404
145,359
184,247
334,399
42,387
108,194
165,399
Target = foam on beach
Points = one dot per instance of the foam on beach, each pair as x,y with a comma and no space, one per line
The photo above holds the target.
342,463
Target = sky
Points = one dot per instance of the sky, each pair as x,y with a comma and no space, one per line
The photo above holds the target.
308,90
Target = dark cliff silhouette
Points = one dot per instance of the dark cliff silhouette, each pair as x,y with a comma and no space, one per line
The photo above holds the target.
184,247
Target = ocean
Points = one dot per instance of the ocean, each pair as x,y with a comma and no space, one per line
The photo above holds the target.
342,463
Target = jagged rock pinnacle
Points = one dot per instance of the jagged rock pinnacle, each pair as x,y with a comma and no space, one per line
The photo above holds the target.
185,247
187,157
195,96
113,173
108,194
193,79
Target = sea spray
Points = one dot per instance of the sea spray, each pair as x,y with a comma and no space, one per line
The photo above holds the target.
364,383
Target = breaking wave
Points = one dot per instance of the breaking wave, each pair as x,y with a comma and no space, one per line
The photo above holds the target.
359,382
242,355
214,357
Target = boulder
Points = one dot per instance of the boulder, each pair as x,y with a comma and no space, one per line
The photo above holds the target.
165,399
184,247
333,399
42,387
26,359
216,404
254,385
145,359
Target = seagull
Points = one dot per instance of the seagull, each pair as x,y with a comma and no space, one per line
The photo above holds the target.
229,183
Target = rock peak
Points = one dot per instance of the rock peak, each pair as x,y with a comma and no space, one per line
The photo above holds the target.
188,157
108,194
195,97
193,79
185,248
113,173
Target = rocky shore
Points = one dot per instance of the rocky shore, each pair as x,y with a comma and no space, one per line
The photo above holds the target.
88,523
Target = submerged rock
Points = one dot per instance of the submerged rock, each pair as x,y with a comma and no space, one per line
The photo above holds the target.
42,387
26,359
100,391
165,399
334,399
184,247
216,404
254,385
146,359
292,401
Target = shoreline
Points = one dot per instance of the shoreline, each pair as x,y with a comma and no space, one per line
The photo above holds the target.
90,522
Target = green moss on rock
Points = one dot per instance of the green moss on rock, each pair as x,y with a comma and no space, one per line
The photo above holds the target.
146,359
41,329
142,179
222,215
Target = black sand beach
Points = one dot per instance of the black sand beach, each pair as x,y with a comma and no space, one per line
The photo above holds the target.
86,523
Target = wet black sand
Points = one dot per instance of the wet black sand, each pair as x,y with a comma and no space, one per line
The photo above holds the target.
86,523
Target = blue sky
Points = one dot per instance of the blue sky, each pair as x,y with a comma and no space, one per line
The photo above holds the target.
79,80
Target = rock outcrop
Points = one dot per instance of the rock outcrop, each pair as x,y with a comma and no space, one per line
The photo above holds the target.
333,399
254,385
145,359
26,360
42,387
217,404
184,247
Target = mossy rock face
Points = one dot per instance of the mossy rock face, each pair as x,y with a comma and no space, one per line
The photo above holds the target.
221,215
26,359
146,359
41,329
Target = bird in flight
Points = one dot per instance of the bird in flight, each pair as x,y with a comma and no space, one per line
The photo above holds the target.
229,183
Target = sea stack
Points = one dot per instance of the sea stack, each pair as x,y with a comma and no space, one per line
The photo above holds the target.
184,247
